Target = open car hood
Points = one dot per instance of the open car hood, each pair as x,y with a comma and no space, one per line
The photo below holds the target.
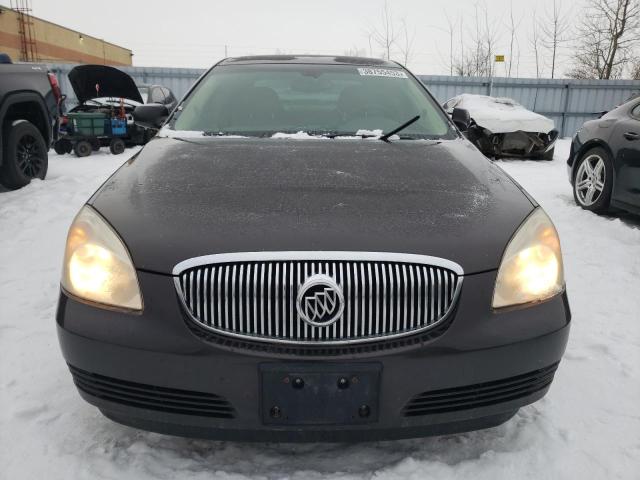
111,82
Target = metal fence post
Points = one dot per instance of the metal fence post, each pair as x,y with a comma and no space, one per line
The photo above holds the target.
565,109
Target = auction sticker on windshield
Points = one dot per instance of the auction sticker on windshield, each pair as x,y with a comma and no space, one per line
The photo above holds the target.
382,72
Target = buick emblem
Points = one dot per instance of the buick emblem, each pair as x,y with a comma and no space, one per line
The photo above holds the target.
320,301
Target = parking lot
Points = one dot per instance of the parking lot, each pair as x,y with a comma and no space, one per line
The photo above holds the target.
586,427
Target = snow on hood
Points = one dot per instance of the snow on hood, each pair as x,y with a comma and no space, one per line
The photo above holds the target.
301,135
500,115
166,132
360,134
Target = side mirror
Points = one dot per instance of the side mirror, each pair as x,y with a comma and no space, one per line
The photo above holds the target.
461,118
151,115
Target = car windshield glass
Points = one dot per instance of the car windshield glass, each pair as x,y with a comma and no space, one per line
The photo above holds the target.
144,93
262,100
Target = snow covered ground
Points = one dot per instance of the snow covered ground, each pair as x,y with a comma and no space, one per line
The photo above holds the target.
587,427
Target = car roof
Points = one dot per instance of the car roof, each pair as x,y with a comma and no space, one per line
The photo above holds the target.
310,59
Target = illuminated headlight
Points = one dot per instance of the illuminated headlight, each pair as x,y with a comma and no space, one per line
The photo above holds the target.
97,266
531,268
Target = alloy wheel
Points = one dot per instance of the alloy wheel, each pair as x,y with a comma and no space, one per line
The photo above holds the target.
30,156
590,180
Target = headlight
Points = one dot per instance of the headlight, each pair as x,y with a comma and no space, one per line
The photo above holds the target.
531,268
97,266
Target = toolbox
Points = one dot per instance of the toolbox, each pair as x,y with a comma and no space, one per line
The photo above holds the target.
118,127
88,123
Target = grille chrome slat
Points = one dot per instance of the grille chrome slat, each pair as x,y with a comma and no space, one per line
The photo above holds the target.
240,302
419,290
412,318
256,298
398,301
226,297
431,292
205,284
348,299
191,275
377,315
306,274
247,299
405,285
392,288
233,298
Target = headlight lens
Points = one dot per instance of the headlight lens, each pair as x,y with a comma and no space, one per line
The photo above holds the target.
531,269
97,266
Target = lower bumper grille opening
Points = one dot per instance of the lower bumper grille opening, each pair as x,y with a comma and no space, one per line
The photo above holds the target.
150,397
479,395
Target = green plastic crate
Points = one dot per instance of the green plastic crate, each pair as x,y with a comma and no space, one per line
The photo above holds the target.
87,123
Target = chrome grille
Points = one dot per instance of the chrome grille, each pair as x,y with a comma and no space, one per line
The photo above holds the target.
254,295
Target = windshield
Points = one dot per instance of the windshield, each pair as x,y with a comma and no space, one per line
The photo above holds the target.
144,93
263,100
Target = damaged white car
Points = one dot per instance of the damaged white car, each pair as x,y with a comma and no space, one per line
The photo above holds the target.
501,127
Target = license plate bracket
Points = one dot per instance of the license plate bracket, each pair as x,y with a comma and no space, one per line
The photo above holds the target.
320,394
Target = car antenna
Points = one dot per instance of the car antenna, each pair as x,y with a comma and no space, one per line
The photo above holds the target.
385,137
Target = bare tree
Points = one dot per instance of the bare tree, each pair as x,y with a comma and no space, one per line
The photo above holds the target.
406,44
514,45
451,32
479,62
462,65
462,54
555,32
535,42
386,35
607,35
635,69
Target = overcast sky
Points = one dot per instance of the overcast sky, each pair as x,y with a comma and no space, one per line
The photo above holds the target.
190,33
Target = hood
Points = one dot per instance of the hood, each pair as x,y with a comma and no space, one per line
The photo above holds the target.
503,115
111,82
179,199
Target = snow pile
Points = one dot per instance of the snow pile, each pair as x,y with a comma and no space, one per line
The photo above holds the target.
500,115
587,427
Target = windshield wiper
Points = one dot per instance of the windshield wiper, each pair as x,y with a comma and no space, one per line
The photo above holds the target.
358,135
385,137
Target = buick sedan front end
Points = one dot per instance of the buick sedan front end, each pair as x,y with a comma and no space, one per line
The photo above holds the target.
309,250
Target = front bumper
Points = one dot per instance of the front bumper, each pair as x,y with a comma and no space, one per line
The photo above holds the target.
518,144
155,372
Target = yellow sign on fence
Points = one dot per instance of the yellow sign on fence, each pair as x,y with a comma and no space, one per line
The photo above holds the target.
499,58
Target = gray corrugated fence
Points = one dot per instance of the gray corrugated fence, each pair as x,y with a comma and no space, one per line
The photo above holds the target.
568,102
